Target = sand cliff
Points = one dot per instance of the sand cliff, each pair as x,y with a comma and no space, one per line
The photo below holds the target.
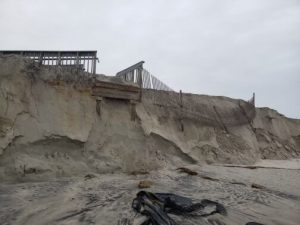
50,127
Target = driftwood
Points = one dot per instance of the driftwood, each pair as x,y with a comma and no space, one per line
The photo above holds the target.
188,171
209,178
257,186
238,183
254,167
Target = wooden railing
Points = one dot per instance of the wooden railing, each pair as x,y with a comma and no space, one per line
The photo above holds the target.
137,74
82,60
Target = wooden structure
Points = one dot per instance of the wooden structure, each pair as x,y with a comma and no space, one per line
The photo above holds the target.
116,90
137,74
127,92
149,81
252,100
133,73
83,60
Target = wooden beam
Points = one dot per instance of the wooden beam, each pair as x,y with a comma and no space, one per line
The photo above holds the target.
116,94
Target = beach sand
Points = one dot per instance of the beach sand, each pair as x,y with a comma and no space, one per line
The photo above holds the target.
106,199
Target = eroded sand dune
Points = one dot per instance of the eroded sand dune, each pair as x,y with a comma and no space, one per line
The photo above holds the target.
52,132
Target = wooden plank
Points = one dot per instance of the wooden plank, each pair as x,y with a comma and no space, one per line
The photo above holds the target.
126,89
115,94
115,90
118,86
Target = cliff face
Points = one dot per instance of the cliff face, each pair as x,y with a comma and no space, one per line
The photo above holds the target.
51,125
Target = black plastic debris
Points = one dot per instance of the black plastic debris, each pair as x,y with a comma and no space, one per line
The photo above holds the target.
157,207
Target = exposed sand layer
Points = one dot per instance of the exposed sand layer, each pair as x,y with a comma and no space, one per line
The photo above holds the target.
51,126
53,132
106,199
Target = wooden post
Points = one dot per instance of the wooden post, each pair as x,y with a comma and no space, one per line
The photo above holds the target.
140,81
181,111
40,60
132,110
94,65
59,59
98,106
77,62
84,66
88,64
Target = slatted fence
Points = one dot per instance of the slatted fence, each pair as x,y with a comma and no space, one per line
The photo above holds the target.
137,74
82,60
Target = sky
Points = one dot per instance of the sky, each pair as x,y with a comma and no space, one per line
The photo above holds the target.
215,47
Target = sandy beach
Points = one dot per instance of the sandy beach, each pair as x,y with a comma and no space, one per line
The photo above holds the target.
106,199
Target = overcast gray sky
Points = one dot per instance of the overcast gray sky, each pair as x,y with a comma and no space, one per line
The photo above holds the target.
215,47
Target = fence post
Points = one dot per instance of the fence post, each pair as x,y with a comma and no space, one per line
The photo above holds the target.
181,111
140,81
